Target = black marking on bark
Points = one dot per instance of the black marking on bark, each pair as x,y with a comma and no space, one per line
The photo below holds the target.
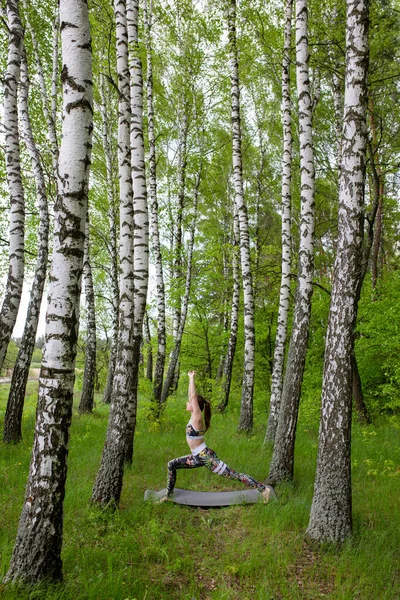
65,24
87,46
49,373
81,103
66,78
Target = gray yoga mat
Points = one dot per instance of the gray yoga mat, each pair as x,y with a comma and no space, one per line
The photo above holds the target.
210,499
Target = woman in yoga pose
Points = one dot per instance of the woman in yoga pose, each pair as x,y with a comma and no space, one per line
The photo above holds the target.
201,455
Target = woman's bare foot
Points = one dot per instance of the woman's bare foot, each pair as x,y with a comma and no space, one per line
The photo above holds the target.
163,499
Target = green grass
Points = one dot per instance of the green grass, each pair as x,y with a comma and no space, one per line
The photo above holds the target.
153,552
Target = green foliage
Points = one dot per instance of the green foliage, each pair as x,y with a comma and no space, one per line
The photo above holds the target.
167,551
378,343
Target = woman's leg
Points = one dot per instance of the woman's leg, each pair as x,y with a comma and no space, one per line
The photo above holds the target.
214,464
183,462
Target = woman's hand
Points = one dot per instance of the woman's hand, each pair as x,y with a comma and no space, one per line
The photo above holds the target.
192,374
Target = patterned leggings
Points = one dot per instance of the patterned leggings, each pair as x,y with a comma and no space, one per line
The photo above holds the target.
207,458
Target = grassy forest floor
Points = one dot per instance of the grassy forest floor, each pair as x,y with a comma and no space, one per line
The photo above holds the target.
153,552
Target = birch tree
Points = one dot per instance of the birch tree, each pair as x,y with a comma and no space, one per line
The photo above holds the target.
140,210
174,357
284,296
12,298
234,320
282,461
246,411
112,245
37,551
15,404
330,517
89,373
161,333
108,485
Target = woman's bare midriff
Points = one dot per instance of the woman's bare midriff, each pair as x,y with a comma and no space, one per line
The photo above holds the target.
194,443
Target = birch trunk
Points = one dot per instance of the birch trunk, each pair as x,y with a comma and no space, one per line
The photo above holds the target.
357,392
12,298
283,454
379,186
284,295
37,552
149,359
15,404
178,245
89,374
106,139
140,210
108,484
161,334
246,410
230,353
174,358
330,517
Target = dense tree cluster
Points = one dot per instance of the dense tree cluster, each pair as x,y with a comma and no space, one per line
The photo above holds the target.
220,180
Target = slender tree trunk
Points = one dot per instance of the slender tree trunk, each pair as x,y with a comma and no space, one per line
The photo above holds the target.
377,240
230,352
147,339
246,410
358,396
283,455
284,296
161,333
106,139
174,358
379,187
89,374
330,517
37,552
140,210
13,416
12,298
178,275
108,484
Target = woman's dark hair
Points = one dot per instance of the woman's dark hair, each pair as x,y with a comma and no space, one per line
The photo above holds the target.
205,406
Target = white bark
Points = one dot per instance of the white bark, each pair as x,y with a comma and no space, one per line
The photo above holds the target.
174,358
140,209
11,301
15,404
330,517
246,411
283,455
106,140
234,320
161,334
284,295
178,234
108,484
37,552
89,373
149,350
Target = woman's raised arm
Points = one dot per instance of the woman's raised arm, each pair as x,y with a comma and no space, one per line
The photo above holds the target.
193,396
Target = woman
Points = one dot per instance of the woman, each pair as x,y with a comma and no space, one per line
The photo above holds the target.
201,455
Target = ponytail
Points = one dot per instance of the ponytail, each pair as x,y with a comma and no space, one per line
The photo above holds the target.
205,406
